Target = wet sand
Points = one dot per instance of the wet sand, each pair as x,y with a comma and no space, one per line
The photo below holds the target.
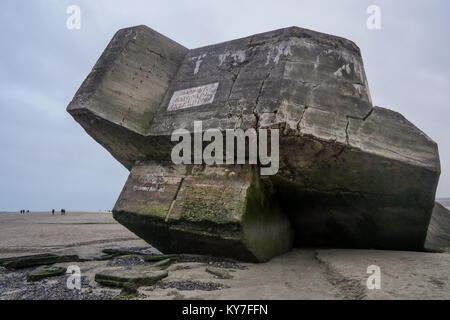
40,232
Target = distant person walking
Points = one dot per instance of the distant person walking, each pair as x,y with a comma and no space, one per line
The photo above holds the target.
63,212
53,212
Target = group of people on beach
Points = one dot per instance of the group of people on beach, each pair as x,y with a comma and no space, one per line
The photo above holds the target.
63,212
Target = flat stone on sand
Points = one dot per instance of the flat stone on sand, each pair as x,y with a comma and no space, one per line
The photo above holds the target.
45,272
122,278
38,260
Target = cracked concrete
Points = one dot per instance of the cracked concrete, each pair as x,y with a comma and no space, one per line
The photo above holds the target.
351,174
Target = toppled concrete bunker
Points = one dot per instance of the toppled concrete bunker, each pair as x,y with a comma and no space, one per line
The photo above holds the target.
350,174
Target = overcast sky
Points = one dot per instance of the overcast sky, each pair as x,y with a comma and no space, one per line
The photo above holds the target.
48,161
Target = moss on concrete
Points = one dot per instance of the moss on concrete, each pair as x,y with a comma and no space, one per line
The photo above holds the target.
45,272
130,278
162,264
38,260
266,230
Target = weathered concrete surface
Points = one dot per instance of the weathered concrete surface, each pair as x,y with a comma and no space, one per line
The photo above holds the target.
222,274
351,175
192,209
375,191
438,236
116,102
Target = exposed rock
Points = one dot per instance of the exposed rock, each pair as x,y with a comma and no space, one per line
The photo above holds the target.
129,288
135,277
158,257
438,237
45,272
299,274
126,252
351,175
223,274
117,252
37,260
163,264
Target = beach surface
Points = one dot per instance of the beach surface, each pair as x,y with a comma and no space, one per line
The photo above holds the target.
303,273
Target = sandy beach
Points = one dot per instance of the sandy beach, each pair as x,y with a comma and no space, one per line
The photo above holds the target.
304,273
39,232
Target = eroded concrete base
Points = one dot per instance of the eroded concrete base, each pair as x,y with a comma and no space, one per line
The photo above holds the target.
438,236
219,210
